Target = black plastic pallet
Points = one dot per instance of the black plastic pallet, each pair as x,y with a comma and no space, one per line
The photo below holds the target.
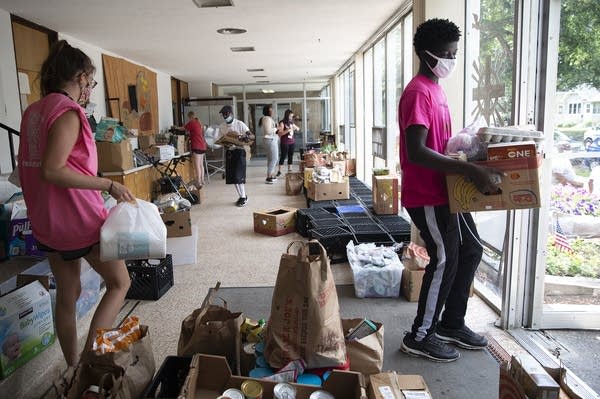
334,239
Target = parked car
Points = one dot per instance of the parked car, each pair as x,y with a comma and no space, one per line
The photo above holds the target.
591,142
563,143
591,139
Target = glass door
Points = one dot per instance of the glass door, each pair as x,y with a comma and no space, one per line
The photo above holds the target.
569,233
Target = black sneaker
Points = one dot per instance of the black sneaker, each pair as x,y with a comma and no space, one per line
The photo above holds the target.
269,180
430,347
463,337
242,201
278,174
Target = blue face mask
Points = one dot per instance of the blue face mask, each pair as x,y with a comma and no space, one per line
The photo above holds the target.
229,119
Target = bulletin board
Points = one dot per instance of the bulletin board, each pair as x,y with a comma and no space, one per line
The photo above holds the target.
131,94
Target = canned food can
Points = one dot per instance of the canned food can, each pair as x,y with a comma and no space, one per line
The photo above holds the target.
252,389
234,394
284,391
321,395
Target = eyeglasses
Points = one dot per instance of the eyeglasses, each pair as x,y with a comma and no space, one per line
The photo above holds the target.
93,84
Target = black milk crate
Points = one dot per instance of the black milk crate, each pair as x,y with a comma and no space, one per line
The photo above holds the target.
334,239
170,378
150,278
391,219
362,192
304,215
399,231
320,204
371,233
325,222
346,202
358,220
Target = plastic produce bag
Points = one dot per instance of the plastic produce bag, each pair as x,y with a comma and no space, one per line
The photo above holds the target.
133,231
377,271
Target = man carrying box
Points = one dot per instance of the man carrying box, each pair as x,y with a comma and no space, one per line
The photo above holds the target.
451,239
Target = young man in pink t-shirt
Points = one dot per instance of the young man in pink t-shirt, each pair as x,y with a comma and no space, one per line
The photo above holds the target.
451,239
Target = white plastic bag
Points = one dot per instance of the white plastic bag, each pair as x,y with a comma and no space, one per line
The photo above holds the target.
377,271
133,231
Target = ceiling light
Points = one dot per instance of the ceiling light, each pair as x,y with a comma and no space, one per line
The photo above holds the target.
255,69
231,31
267,91
213,3
262,81
259,76
241,49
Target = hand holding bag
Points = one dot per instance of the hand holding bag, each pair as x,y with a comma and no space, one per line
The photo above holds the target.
213,330
133,231
305,314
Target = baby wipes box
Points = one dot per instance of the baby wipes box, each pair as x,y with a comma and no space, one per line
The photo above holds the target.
26,326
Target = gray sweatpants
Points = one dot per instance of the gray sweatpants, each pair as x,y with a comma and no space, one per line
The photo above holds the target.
272,148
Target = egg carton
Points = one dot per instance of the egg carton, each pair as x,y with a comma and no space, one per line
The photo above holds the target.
508,134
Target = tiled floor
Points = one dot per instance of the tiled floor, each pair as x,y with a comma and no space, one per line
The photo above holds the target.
230,252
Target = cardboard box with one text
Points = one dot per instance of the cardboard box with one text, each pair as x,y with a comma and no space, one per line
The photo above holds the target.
385,195
329,191
210,376
114,157
27,325
391,385
520,188
178,223
275,222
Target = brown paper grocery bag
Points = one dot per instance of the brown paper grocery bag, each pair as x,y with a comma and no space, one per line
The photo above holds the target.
305,314
213,330
124,374
366,354
294,183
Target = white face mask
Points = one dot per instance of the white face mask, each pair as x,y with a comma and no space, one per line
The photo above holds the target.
444,66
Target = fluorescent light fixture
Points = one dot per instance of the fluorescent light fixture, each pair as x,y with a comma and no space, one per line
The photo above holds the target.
213,3
241,49
268,91
255,70
263,81
259,76
231,31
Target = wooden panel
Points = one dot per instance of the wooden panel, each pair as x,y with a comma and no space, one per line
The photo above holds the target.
119,75
174,89
31,47
185,93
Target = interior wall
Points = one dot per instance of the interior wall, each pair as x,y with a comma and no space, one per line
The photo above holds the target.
10,112
10,104
165,112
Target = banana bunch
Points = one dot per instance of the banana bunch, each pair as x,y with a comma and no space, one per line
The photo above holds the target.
464,192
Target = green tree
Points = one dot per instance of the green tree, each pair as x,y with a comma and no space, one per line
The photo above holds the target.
579,46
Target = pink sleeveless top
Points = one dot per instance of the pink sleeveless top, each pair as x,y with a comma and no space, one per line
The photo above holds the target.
61,218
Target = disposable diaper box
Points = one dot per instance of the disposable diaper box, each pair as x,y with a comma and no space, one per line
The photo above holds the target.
520,188
26,326
20,239
391,385
275,222
114,157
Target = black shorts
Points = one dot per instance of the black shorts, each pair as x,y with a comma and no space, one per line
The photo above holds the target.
67,255
235,166
198,151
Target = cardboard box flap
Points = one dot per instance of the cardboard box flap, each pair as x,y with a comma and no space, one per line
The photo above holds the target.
210,375
390,385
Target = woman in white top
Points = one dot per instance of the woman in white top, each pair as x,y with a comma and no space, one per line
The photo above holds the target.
269,129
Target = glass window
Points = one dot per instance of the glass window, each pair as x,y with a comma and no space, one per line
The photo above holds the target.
379,86
488,98
368,107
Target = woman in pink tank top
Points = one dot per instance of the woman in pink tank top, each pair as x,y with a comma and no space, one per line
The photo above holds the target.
58,168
